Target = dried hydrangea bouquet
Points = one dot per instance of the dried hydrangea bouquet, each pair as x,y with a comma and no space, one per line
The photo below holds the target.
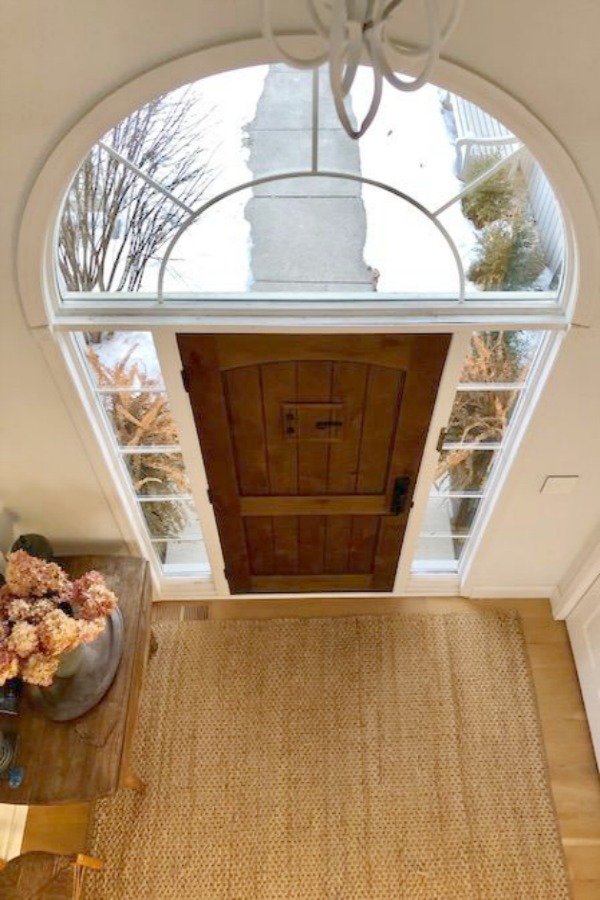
43,615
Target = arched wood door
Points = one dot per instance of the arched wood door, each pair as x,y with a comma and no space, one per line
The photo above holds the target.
312,445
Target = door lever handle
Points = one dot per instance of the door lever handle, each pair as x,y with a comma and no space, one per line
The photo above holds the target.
400,494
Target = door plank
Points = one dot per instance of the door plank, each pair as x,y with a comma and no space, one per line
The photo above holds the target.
420,391
279,387
348,387
285,545
379,349
337,543
202,365
259,537
314,386
382,405
315,583
363,543
243,396
311,544
365,505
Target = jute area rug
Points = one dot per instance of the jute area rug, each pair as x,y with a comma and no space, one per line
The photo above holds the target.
362,758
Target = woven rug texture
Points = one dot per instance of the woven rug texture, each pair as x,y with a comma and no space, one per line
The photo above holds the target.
360,758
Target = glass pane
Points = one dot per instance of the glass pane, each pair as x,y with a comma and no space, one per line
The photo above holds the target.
441,550
171,519
410,143
123,359
200,142
192,143
404,250
140,419
500,356
157,473
313,234
215,252
516,241
181,557
463,470
449,515
480,416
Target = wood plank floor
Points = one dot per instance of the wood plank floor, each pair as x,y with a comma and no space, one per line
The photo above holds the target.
573,772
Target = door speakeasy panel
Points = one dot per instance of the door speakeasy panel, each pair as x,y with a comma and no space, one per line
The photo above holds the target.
312,445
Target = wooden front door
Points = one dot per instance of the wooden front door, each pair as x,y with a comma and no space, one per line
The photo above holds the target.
312,445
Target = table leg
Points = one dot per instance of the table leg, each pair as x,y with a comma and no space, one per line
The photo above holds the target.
153,645
133,782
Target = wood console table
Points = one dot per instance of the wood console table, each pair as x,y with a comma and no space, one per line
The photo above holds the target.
89,757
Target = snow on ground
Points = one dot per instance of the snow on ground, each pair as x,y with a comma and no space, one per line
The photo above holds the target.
214,253
115,346
408,147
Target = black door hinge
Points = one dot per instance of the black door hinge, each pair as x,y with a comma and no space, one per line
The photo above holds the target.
185,379
400,494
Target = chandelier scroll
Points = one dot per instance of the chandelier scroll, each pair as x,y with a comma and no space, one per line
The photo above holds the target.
357,30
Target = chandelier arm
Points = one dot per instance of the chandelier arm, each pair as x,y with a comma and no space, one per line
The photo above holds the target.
297,62
375,40
389,9
345,45
340,106
353,55
421,52
316,19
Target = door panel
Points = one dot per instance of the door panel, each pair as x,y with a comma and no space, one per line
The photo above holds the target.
303,438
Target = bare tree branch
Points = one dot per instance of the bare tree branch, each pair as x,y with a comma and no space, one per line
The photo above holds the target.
114,223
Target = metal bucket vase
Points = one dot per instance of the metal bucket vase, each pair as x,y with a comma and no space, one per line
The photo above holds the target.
83,677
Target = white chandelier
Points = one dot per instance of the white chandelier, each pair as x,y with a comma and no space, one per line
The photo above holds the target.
357,28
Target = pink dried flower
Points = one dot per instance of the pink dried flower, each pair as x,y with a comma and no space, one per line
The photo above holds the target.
39,669
9,665
34,631
40,609
90,630
29,576
23,639
19,610
58,632
93,596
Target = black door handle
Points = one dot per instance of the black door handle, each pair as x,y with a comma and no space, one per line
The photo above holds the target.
400,495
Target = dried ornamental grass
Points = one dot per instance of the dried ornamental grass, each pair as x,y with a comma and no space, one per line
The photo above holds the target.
483,416
143,419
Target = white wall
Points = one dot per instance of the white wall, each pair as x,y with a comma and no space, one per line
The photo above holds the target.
60,59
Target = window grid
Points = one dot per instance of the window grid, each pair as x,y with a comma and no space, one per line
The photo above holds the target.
174,510
439,525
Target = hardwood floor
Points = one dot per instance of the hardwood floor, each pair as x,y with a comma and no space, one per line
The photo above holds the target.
571,762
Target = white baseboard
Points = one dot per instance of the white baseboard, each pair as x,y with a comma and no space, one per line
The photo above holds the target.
525,592
430,584
12,829
194,589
